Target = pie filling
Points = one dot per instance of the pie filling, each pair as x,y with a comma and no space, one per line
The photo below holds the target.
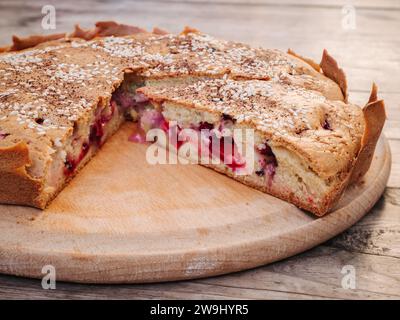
212,140
103,122
3,135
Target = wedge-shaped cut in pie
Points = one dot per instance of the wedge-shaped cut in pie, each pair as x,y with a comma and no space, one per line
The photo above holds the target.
62,97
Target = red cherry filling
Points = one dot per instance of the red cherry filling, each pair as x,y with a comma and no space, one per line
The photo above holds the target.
260,172
164,125
3,135
97,129
138,135
217,149
226,144
266,150
205,126
150,118
126,99
218,146
95,138
96,132
271,168
227,117
268,163
71,164
326,125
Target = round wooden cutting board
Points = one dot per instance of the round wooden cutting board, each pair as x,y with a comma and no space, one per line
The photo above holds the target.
122,220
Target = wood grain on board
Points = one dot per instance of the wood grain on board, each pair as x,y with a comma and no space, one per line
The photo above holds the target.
369,53
128,227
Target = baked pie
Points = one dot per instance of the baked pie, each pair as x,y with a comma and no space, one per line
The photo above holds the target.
63,96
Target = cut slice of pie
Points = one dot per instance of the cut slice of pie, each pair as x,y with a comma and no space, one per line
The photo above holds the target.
305,145
61,99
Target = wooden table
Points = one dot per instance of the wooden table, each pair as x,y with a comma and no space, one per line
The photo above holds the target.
370,52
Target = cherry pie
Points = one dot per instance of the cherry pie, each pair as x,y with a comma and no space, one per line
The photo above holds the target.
63,96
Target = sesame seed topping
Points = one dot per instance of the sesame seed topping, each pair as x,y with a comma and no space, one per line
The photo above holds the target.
50,88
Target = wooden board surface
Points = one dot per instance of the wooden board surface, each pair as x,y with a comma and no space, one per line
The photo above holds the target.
122,220
368,53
